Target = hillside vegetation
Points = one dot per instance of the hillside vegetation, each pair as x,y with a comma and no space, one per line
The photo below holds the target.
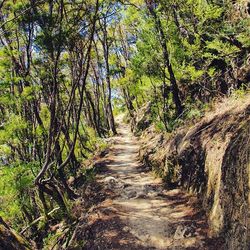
179,70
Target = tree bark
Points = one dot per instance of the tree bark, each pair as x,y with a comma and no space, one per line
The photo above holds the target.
174,87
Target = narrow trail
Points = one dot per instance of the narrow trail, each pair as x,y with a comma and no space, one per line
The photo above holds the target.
137,213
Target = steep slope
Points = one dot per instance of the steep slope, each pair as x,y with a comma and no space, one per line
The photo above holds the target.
210,158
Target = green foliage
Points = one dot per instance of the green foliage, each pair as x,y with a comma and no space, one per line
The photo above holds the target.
191,73
160,127
223,48
148,53
51,240
15,186
13,129
239,93
194,113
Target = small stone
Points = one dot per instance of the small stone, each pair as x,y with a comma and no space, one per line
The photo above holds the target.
126,229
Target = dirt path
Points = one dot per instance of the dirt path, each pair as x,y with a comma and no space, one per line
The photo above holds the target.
135,211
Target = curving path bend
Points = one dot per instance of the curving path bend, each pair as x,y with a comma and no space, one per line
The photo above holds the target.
137,212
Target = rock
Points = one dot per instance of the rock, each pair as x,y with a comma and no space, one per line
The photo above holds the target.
113,183
130,194
126,229
180,232
110,179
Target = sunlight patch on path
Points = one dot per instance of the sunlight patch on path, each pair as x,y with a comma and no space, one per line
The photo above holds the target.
157,218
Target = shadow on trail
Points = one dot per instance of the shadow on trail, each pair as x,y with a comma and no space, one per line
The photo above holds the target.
138,213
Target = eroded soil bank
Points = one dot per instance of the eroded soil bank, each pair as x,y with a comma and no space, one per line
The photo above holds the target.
210,157
131,209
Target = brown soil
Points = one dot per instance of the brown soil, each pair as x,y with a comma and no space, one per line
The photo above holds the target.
131,209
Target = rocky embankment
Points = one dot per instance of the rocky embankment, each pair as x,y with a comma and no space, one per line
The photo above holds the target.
212,159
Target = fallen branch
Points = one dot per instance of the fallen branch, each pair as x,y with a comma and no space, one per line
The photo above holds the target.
38,219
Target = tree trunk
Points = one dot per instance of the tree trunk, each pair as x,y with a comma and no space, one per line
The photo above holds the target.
10,240
106,59
167,64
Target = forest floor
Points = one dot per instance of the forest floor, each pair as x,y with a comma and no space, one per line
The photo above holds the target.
133,210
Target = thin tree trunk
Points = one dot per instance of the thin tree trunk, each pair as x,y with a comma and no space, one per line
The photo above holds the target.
167,64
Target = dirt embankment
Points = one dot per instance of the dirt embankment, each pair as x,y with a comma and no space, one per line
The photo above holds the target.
212,159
